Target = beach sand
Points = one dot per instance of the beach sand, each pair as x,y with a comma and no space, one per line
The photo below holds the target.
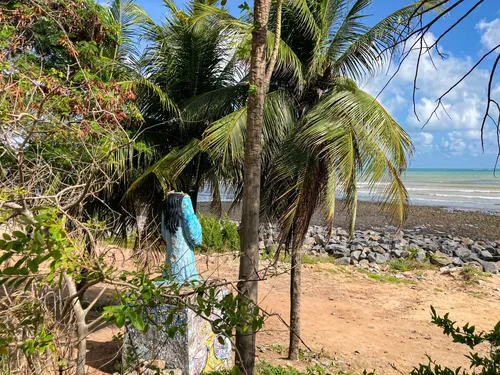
420,219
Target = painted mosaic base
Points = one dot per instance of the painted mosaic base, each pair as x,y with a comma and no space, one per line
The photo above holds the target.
194,353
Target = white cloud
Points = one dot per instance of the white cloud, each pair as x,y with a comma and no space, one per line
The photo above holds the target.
454,128
490,32
454,144
423,138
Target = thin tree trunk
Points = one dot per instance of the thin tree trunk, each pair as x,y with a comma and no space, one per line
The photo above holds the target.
249,231
82,328
82,332
295,291
260,74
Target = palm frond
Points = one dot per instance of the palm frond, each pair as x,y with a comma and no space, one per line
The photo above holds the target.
224,140
144,86
300,9
354,133
287,62
169,167
215,104
368,51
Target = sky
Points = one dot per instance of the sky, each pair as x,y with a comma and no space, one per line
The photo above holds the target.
445,141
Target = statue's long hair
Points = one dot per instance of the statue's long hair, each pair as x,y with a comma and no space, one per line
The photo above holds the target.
172,211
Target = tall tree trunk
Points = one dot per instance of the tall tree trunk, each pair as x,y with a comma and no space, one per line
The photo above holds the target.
295,291
249,232
260,74
309,197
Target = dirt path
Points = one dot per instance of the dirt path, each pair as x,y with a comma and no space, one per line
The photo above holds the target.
368,324
360,323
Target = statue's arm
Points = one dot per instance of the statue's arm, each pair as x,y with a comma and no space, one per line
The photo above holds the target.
191,224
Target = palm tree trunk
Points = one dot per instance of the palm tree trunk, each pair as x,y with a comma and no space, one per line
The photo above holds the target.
193,194
295,292
260,75
249,230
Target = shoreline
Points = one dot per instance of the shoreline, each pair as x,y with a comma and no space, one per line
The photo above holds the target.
436,220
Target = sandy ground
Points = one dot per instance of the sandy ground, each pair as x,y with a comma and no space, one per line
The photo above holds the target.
357,322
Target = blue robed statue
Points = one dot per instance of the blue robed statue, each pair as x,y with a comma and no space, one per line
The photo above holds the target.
181,231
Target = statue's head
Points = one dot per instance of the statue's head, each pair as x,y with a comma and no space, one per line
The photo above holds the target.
172,211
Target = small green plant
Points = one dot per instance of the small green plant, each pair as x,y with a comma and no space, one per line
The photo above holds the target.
230,234
268,369
413,253
212,232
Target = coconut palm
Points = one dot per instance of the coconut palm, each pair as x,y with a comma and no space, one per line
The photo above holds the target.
338,134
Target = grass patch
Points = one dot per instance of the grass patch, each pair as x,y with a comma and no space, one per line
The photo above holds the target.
278,348
384,278
408,264
308,259
265,368
472,274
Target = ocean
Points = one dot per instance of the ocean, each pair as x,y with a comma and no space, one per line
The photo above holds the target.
472,189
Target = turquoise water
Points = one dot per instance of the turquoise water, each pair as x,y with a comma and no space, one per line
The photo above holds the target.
475,189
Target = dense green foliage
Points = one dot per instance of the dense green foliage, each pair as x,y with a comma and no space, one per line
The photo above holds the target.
219,235
70,129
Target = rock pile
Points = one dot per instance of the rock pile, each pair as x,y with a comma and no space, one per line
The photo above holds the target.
372,247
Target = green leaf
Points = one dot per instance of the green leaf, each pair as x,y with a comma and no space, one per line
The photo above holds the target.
20,235
136,320
33,265
120,320
5,256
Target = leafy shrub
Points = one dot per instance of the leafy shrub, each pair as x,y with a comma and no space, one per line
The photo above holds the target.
219,235
467,335
212,232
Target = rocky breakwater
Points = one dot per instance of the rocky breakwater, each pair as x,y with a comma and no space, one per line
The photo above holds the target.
367,248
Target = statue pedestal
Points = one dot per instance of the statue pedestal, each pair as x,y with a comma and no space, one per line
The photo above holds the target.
196,352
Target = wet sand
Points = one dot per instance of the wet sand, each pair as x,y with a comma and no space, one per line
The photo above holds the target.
420,219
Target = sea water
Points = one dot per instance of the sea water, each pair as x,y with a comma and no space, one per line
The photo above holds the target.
472,189
476,189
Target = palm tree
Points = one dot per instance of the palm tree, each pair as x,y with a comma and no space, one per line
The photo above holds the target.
337,134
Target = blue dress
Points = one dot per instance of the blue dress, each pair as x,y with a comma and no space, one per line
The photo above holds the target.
180,260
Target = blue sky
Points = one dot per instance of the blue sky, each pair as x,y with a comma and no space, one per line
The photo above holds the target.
443,142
